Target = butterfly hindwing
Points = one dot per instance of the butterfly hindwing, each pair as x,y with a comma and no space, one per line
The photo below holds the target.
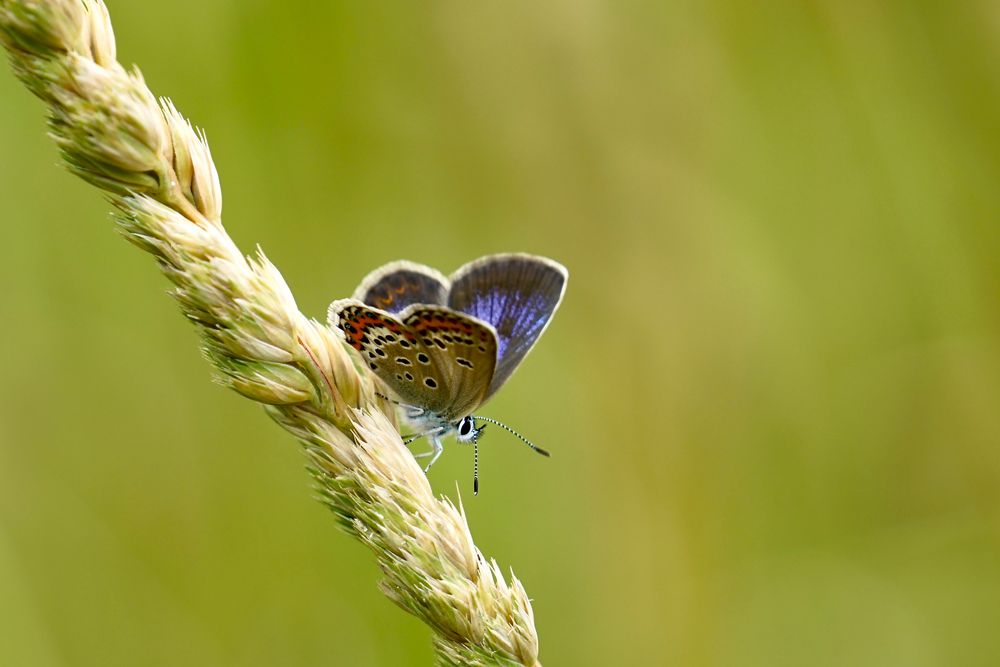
429,356
517,294
397,285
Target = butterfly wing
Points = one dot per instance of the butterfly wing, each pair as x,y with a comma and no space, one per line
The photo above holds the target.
517,294
397,285
430,356
462,351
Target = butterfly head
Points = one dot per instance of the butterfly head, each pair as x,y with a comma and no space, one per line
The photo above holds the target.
466,429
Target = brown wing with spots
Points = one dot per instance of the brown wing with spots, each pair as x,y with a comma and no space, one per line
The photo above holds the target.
462,351
434,358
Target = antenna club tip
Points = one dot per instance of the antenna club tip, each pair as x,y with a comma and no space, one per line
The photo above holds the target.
475,488
543,452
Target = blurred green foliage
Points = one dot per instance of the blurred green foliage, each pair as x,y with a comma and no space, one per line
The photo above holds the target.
771,393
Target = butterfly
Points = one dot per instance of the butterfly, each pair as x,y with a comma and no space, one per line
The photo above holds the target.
445,345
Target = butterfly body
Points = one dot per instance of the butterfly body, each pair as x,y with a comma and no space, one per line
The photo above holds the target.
445,345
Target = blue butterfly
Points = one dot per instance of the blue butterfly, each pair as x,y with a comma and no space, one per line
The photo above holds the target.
445,345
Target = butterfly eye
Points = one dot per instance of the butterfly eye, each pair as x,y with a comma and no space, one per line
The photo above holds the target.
465,427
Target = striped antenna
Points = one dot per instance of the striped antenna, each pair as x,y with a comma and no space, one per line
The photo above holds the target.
475,466
512,431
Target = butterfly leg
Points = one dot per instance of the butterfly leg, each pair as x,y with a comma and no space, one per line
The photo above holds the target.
412,438
438,448
432,434
412,411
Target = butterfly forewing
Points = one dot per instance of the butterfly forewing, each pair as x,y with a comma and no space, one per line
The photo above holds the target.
517,294
397,285
430,357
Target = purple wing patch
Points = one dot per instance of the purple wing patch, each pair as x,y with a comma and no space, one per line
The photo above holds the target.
517,294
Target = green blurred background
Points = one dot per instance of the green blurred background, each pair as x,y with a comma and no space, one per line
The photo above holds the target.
772,392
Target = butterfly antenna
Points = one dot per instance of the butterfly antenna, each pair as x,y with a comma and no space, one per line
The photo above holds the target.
475,466
529,443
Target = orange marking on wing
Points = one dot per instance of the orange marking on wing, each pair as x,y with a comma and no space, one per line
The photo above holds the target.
361,321
439,324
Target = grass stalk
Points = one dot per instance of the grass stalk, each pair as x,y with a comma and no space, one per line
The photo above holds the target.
158,173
